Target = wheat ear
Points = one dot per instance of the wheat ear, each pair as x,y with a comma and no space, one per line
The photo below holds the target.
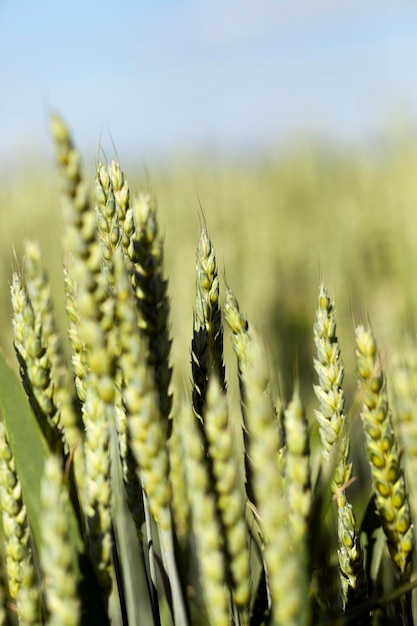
285,556
150,287
205,524
332,427
207,342
35,366
230,501
56,555
387,475
239,326
297,466
40,295
179,504
403,376
14,518
94,311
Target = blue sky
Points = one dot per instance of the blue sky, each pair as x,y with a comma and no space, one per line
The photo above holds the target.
164,78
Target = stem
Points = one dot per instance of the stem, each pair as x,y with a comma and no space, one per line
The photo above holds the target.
168,556
153,590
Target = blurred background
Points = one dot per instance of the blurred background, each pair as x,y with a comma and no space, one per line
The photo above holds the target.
293,124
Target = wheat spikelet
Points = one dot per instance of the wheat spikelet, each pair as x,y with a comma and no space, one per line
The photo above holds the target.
124,212
107,223
28,598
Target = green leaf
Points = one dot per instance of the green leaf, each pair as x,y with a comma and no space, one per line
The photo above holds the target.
30,452
135,586
28,444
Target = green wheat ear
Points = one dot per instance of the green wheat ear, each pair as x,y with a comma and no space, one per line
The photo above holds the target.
230,501
387,475
239,326
93,312
207,343
14,518
62,603
284,552
297,466
205,523
403,377
36,369
146,255
332,426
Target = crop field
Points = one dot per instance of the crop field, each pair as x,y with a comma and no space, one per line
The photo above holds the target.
165,456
